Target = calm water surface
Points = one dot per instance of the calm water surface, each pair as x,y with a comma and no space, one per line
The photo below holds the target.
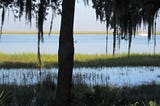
88,44
117,76
91,44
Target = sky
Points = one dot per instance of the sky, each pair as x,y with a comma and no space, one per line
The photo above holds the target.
85,20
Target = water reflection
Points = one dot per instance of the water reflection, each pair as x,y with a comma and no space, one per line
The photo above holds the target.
118,76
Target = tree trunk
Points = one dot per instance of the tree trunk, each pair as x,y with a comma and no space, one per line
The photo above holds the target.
65,54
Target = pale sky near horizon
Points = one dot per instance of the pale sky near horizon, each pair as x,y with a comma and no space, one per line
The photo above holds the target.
85,20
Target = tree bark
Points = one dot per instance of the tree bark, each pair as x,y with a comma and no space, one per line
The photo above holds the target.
65,54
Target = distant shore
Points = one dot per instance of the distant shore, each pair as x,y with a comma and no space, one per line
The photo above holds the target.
76,32
81,32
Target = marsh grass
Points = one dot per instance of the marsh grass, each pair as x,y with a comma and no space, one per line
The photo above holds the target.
83,95
5,97
144,95
80,60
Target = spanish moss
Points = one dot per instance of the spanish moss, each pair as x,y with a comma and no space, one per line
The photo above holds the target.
51,25
30,9
21,7
155,38
126,16
106,41
123,16
2,19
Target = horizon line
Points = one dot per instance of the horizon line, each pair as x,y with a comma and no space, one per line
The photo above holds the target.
75,32
45,32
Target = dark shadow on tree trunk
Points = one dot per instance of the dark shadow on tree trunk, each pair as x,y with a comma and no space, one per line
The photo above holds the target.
65,54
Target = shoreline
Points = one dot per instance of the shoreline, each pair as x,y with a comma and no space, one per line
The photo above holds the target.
76,32
80,60
81,32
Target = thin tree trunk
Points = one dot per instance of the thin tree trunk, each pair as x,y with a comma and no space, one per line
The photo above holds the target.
65,54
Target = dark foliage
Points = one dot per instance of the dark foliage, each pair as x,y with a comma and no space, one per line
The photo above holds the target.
125,16
44,95
37,9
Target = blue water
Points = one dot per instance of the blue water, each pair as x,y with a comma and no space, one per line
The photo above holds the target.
116,76
90,44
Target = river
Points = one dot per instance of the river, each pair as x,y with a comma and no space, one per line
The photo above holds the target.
84,44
